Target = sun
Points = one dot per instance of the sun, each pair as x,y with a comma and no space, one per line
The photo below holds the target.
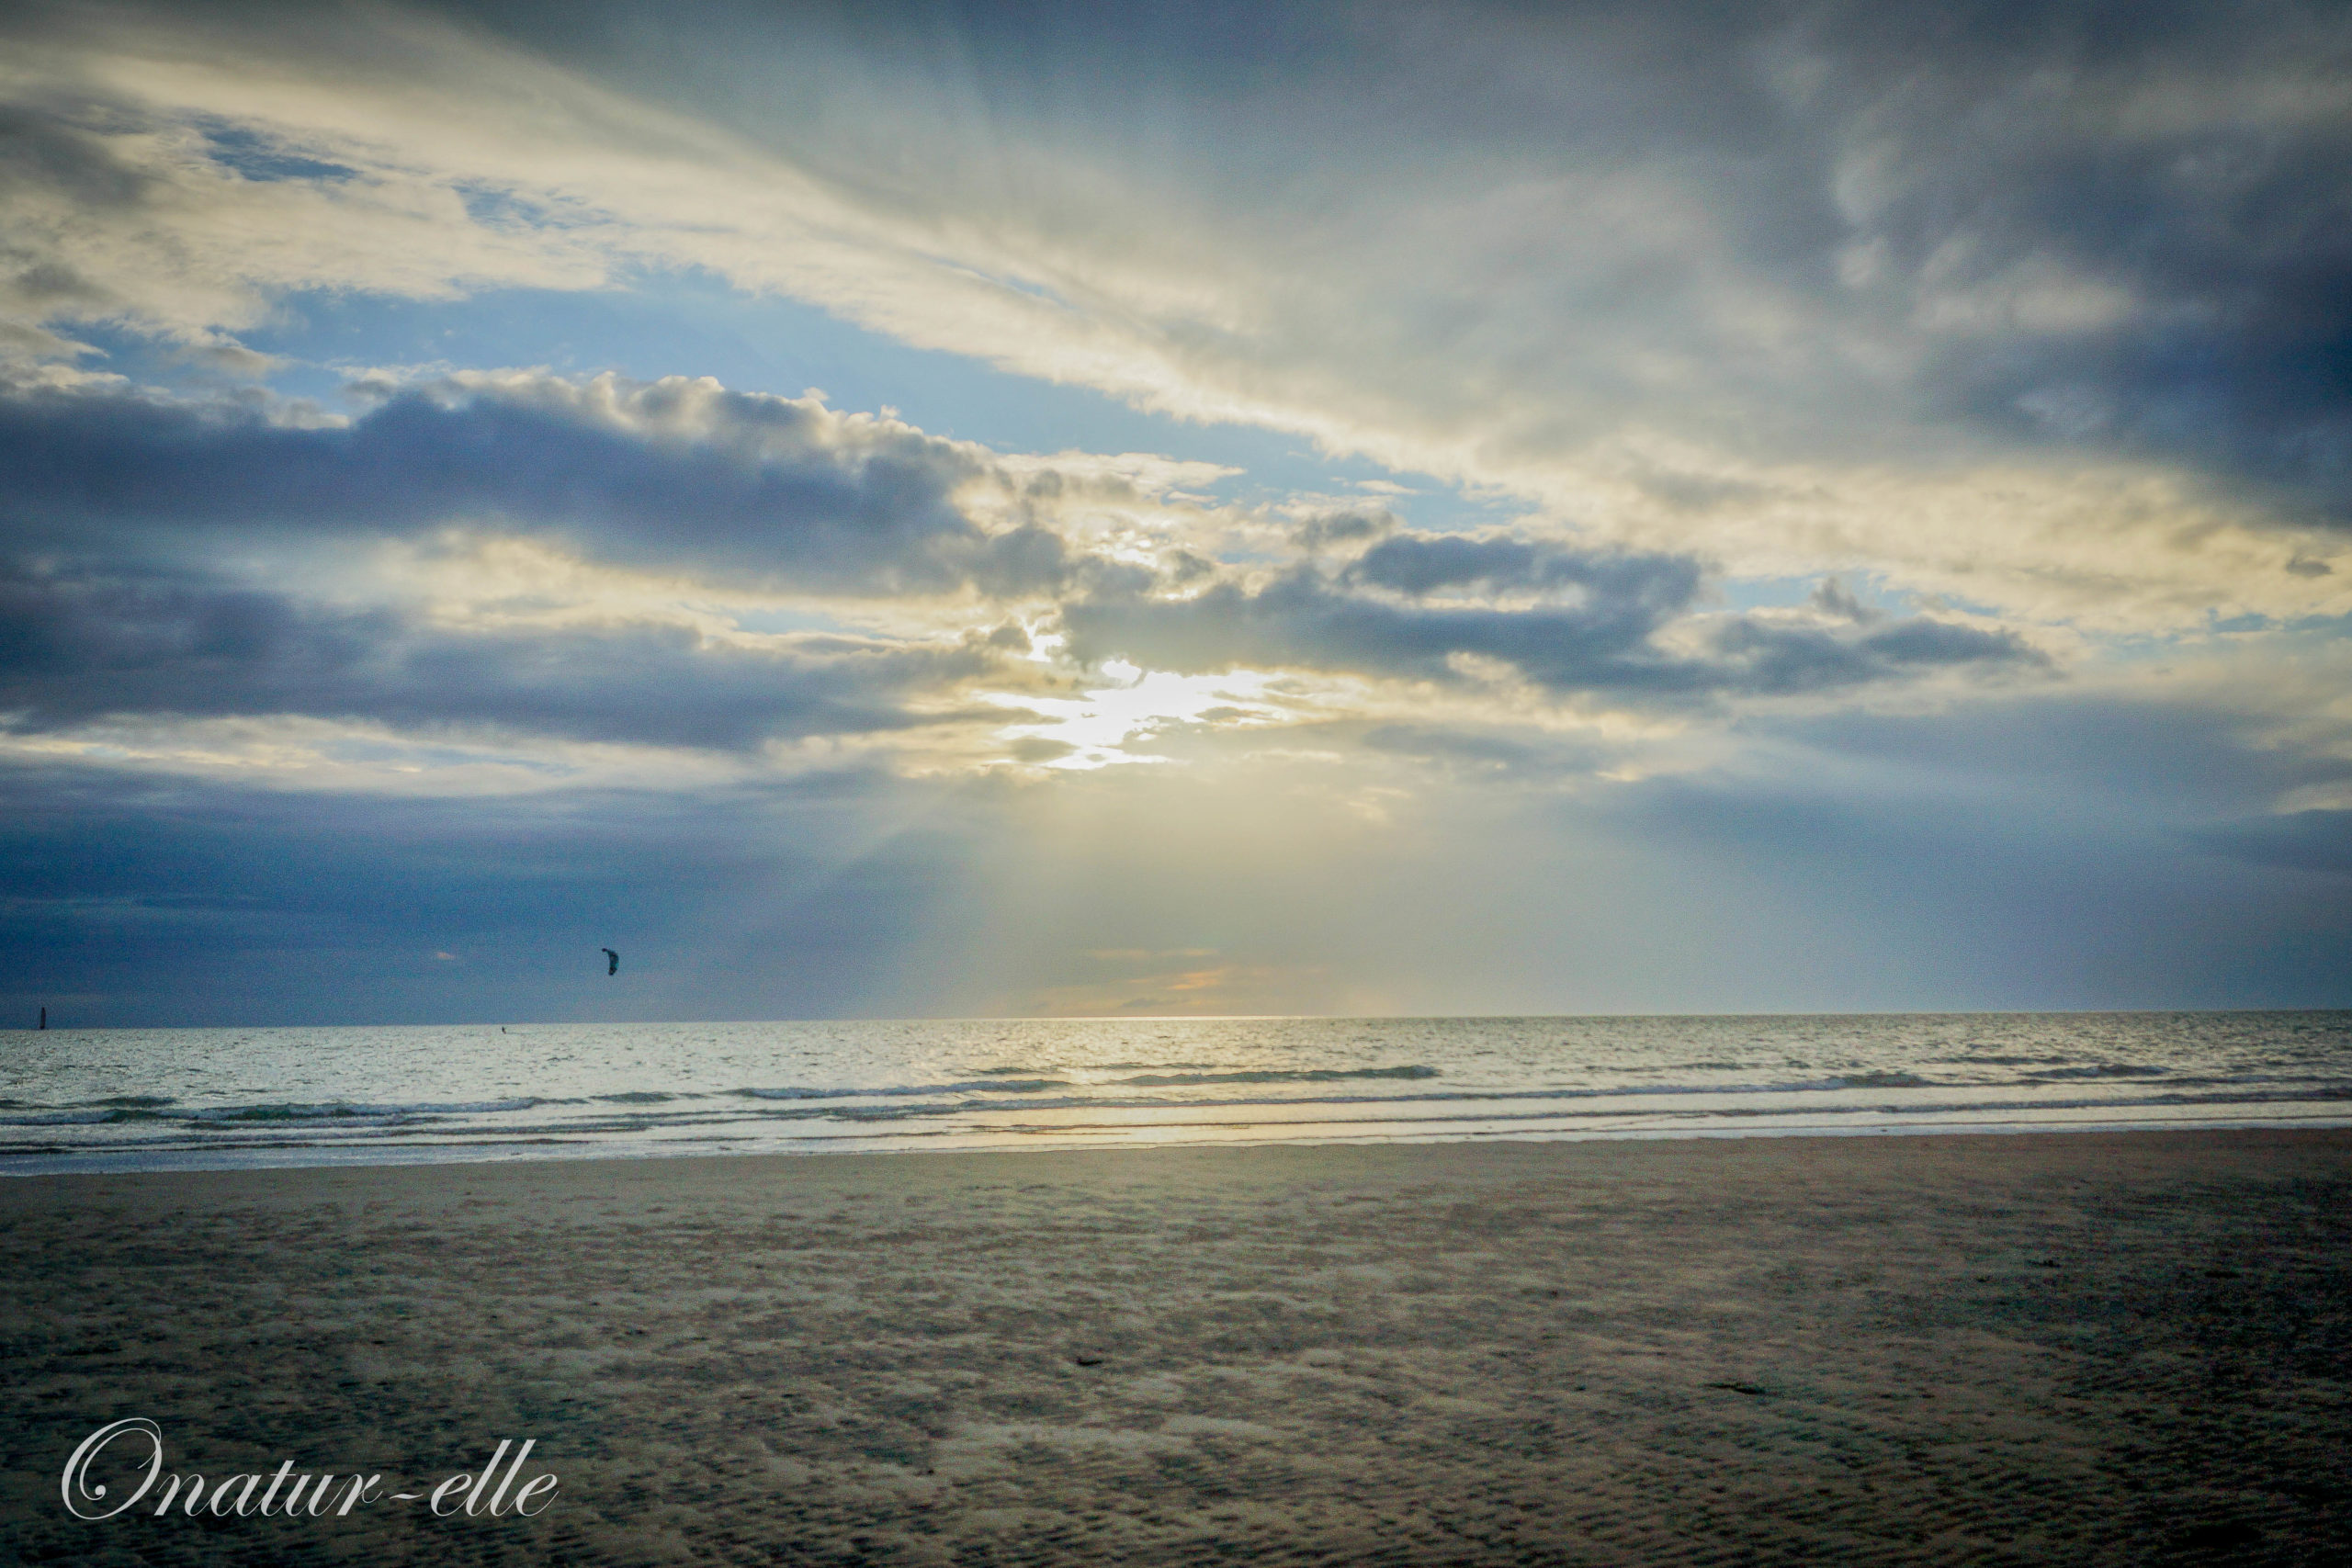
1101,727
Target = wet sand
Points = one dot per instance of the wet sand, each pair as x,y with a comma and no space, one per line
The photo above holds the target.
2055,1348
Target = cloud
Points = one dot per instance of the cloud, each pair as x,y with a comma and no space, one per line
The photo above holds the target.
80,647
1833,599
2120,236
183,223
1761,656
1323,528
1419,565
648,513
1611,637
1828,267
2040,310
679,474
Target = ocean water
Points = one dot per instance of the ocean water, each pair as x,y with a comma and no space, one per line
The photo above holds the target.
128,1098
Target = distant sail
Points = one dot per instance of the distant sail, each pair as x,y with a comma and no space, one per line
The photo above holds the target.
614,967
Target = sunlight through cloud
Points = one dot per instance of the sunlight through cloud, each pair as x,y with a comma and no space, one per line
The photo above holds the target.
1096,730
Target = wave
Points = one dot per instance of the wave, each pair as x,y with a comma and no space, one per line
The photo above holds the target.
397,1096
643,1109
999,1085
106,1109
1449,1116
650,1108
343,1111
149,1108
1315,1075
2104,1070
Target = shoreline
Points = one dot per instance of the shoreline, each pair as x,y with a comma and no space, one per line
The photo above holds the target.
2090,1347
1806,1143
526,1152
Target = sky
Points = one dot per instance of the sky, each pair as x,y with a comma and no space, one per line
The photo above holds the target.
1007,509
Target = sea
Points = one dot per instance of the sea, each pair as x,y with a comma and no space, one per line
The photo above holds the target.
206,1099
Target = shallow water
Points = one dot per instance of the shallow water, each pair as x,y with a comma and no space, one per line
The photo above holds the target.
116,1100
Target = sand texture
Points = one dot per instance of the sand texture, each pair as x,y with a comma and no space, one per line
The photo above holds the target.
2111,1348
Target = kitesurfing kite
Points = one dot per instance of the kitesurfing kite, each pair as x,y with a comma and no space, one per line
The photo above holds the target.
613,966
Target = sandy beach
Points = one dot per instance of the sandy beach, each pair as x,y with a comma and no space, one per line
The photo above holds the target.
2123,1347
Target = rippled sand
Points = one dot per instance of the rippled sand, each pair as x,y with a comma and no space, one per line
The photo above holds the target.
2119,1348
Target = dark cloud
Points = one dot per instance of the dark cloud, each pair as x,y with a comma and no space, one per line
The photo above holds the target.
41,149
1325,529
2188,161
673,474
1421,564
79,647
2237,352
1776,657
1831,597
1604,638
1301,619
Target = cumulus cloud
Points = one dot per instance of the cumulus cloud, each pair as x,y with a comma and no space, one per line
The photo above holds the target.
1325,528
1419,565
679,473
1626,630
79,647
224,557
122,504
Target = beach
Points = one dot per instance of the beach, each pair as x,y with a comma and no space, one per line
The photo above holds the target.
2053,1347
